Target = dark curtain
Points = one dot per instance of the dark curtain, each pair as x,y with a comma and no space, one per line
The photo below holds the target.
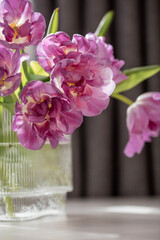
100,167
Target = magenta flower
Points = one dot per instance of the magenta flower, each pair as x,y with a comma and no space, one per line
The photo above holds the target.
56,47
85,80
97,46
43,114
10,76
19,25
143,122
53,48
78,71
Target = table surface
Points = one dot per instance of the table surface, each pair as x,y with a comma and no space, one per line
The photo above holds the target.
121,219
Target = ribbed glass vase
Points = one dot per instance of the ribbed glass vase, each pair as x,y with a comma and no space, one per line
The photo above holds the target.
32,183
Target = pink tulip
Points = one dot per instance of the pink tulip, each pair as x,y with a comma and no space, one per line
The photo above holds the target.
85,80
97,46
19,25
10,64
44,113
143,121
78,71
53,48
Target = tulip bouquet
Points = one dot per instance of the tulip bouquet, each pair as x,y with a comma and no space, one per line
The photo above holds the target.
71,78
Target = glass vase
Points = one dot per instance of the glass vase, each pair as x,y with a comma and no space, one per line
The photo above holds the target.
32,183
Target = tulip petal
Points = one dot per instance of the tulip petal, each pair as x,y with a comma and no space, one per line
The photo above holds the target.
21,26
143,122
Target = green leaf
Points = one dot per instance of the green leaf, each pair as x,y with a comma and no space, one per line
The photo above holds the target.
8,102
53,24
122,98
136,76
36,69
104,24
1,99
24,71
8,99
9,106
39,77
24,79
17,92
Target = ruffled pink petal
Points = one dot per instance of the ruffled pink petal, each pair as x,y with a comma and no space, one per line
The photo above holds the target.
136,112
84,45
46,113
17,120
31,89
5,57
21,26
43,129
14,84
86,82
143,122
8,33
74,120
93,106
105,53
28,138
27,11
24,30
134,145
17,60
38,26
26,133
62,124
53,141
53,48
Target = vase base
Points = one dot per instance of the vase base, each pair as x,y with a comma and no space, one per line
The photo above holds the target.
28,208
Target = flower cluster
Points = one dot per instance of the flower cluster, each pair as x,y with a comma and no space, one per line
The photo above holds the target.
81,68
83,74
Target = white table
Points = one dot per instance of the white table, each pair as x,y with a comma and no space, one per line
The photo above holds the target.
121,219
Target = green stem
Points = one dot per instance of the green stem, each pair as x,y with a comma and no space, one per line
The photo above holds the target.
9,206
7,199
14,97
20,87
122,98
25,70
